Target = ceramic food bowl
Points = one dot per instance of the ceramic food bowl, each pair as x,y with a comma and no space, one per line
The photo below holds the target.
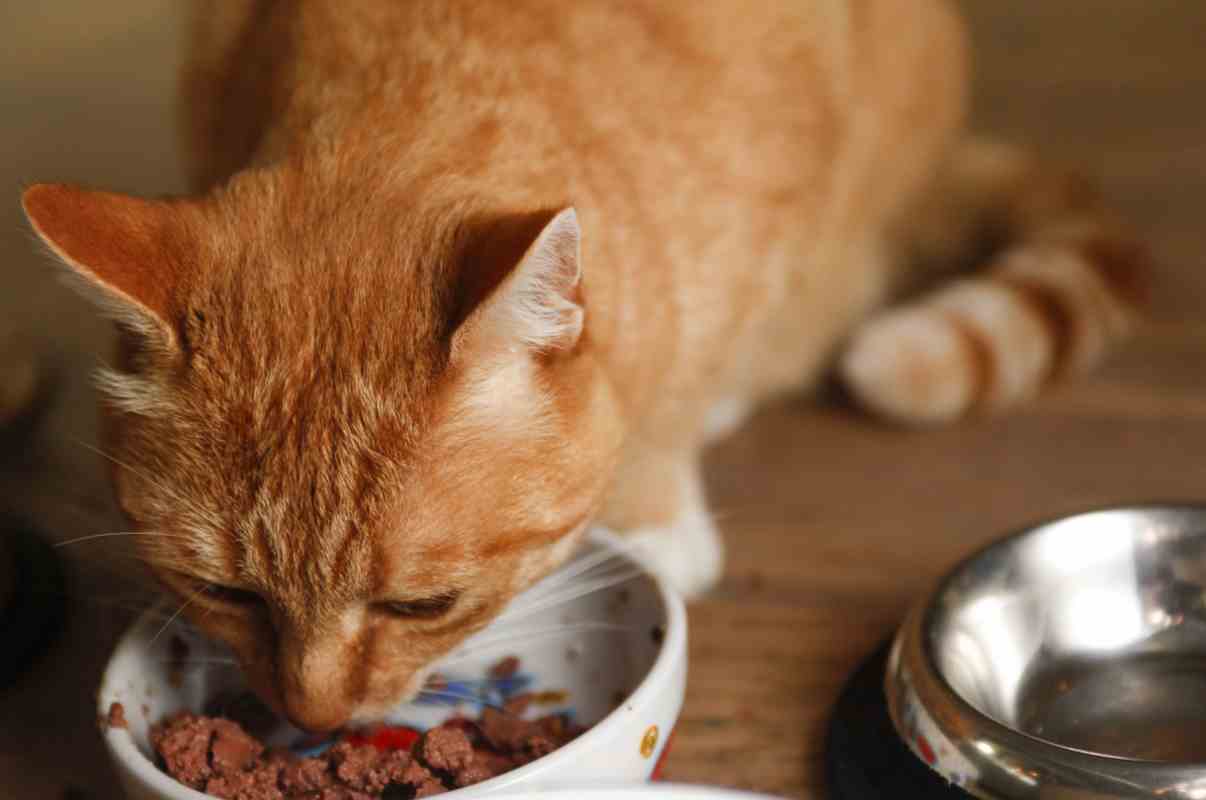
661,792
1066,661
603,638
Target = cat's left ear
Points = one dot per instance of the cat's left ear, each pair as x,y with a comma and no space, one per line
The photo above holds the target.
523,283
124,248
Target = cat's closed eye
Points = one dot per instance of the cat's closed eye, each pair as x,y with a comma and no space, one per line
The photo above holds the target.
425,608
230,595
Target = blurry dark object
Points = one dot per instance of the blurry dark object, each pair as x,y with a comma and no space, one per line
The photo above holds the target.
32,598
18,380
25,389
864,757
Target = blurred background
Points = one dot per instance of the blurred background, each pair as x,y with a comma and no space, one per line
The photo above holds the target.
835,524
86,96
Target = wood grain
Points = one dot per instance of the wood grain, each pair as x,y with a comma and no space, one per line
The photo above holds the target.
836,525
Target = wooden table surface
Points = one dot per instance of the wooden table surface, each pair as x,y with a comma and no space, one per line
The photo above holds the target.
835,525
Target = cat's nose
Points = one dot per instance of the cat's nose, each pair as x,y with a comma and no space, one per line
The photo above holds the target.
313,678
313,714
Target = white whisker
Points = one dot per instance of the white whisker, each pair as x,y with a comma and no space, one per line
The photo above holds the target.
576,568
172,618
90,537
476,647
122,464
579,566
580,590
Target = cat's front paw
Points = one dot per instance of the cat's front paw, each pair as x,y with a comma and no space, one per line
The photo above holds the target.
688,554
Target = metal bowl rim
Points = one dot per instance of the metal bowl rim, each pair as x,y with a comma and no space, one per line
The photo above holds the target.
995,727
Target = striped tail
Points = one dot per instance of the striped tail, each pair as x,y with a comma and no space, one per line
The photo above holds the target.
1068,283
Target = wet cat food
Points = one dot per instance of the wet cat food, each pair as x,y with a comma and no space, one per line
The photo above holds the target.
216,754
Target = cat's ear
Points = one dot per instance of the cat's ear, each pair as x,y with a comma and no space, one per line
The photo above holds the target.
123,249
524,280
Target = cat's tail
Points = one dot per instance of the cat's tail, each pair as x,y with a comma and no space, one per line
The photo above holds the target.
1067,281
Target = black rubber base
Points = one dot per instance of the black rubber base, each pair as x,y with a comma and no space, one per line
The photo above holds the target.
865,759
35,615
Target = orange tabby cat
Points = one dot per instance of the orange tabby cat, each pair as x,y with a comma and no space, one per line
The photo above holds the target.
460,277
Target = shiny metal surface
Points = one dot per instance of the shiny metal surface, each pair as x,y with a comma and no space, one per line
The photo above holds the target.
1066,661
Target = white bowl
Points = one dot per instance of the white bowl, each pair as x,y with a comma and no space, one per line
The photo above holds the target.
666,791
608,650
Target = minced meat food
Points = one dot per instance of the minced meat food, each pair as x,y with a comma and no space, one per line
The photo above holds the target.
217,756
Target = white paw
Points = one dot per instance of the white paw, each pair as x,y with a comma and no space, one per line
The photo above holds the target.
725,417
688,554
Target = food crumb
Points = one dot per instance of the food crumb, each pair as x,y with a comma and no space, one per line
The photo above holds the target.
446,749
506,668
518,704
117,716
550,698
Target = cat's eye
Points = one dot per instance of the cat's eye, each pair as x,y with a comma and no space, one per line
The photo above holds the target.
229,594
426,608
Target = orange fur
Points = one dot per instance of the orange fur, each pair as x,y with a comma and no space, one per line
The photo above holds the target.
1068,283
391,365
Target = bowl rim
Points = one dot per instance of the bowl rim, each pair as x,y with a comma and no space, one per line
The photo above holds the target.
995,727
660,790
671,656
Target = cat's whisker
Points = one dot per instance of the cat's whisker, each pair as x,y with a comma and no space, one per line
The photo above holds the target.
574,568
556,583
485,637
581,590
123,465
476,648
93,536
579,566
173,617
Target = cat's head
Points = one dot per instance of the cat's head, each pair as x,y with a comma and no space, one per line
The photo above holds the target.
356,433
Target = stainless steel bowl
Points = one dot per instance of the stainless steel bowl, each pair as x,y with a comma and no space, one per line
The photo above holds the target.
1065,661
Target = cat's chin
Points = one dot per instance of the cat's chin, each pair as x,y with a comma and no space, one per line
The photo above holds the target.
364,718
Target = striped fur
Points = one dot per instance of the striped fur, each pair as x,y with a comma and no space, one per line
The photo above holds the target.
1067,285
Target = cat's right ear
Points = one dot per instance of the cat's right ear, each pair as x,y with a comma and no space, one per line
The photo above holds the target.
123,248
523,283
